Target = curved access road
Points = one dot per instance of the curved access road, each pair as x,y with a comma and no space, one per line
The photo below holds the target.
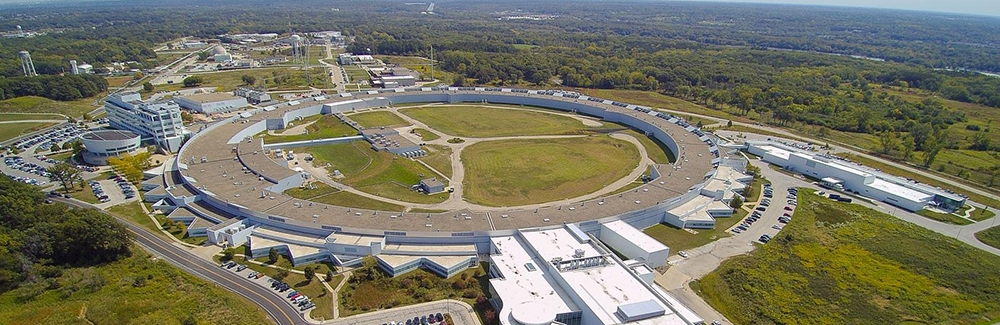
280,311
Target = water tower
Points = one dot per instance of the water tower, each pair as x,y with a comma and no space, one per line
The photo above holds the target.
26,64
296,47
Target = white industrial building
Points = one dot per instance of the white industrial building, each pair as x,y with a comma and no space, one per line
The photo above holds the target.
856,179
104,144
560,275
211,103
349,59
634,244
156,122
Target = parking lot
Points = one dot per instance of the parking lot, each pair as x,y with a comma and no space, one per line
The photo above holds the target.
300,302
29,167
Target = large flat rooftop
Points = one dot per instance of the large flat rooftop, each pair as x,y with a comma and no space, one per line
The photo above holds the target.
214,166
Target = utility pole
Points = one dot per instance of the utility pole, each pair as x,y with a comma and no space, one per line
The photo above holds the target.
432,62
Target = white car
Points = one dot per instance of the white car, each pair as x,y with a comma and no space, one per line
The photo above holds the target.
682,254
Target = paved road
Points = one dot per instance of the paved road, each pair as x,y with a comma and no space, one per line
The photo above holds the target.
461,314
280,311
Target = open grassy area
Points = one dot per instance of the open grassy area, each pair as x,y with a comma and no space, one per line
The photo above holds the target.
355,74
14,130
377,119
379,173
426,135
329,195
518,172
115,82
920,177
32,104
980,214
364,294
438,157
839,263
322,127
30,116
107,294
990,236
656,150
478,121
679,239
280,78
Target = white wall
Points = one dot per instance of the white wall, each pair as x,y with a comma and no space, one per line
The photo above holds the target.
624,244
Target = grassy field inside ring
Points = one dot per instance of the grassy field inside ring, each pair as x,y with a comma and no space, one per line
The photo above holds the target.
480,122
377,119
519,172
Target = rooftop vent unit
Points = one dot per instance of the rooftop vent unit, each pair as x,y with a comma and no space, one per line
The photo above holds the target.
578,253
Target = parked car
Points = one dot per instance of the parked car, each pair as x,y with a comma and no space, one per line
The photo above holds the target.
682,254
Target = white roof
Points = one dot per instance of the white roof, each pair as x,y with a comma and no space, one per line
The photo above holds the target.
637,237
900,191
520,285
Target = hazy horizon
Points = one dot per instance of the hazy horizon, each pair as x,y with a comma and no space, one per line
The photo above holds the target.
970,7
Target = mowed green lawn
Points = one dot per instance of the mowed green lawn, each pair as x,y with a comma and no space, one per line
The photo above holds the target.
325,126
679,239
481,122
12,130
839,263
990,236
26,116
519,172
656,150
111,294
377,119
32,104
379,173
325,194
438,157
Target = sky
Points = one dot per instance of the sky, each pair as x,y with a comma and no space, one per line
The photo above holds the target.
975,7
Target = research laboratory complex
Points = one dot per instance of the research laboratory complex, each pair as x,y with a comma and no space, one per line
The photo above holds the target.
547,264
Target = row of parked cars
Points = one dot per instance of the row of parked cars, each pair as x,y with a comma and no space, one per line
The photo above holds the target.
420,320
51,138
99,192
18,163
786,216
126,187
296,298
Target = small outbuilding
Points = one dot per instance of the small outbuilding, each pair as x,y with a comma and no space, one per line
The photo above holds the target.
431,185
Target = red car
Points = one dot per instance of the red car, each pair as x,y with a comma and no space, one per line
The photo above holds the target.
788,208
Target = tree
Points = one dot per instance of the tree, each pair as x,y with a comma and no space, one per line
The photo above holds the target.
736,203
78,147
931,148
68,145
87,117
281,275
148,87
309,273
981,141
202,56
228,254
888,141
65,174
193,81
329,276
459,81
272,255
249,80
130,166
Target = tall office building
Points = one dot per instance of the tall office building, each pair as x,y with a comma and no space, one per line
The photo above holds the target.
156,122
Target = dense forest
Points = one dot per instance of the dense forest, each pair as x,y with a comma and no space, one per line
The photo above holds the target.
58,87
38,240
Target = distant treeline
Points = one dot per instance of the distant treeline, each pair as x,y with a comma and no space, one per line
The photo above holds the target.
68,87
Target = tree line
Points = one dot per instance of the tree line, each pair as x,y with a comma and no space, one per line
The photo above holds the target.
57,87
38,240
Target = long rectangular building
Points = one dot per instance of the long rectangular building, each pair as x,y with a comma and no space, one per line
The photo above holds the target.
857,179
157,122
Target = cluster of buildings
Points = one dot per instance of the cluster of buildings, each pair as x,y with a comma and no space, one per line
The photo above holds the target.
351,59
843,176
392,77
253,96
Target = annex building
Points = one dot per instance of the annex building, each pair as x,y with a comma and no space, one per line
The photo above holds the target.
211,103
856,179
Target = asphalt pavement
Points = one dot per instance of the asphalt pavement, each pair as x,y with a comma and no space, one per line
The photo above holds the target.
278,310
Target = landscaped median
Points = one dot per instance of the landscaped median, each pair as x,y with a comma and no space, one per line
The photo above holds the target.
840,263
